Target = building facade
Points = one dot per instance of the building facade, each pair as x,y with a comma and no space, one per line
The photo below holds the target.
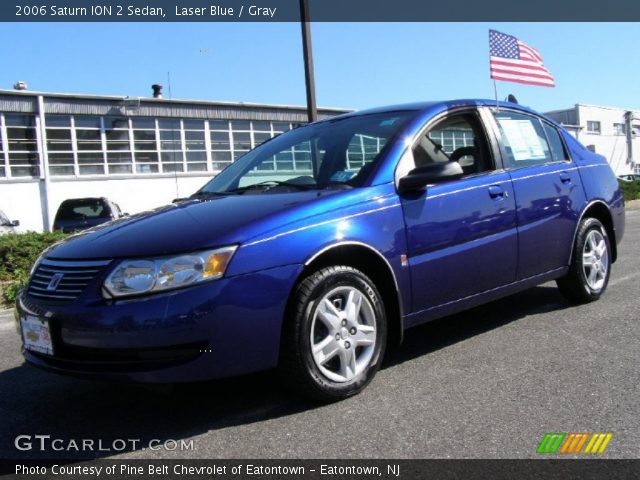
139,153
609,131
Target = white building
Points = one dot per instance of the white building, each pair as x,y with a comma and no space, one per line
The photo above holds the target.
609,131
139,153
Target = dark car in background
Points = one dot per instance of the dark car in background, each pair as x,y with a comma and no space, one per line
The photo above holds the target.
313,251
81,213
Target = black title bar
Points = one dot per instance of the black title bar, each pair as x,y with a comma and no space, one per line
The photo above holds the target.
320,11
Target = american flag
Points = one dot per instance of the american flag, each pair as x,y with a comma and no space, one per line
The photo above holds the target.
513,61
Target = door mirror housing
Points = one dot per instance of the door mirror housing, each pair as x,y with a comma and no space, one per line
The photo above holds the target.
15,223
420,177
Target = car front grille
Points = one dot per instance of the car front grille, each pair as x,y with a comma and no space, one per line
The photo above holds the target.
63,280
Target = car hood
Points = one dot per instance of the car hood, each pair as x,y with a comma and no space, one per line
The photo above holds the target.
189,226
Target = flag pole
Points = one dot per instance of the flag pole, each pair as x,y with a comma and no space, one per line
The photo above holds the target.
495,92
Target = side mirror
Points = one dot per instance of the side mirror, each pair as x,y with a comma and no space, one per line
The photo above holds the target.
15,223
420,177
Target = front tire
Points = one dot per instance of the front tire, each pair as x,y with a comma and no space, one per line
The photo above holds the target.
590,267
335,336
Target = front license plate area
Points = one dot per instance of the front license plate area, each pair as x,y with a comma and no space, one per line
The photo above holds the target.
36,334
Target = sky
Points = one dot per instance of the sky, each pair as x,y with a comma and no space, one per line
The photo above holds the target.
357,65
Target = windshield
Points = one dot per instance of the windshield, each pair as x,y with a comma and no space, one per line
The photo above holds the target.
82,210
338,153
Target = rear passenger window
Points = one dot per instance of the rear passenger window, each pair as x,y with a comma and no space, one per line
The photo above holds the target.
555,142
524,140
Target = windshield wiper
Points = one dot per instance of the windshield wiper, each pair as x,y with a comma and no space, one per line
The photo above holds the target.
274,183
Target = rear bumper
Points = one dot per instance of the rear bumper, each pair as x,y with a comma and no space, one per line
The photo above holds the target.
219,329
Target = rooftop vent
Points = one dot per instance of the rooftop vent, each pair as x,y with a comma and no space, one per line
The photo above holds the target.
20,85
157,90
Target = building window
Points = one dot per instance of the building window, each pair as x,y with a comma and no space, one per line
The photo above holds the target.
59,143
195,145
619,129
89,149
145,146
593,127
22,145
118,143
221,153
171,150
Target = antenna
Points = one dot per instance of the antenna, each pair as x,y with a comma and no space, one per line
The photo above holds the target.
175,170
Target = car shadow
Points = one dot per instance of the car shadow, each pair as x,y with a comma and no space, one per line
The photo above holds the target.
33,402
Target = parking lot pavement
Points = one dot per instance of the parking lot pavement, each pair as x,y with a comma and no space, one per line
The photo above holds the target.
487,383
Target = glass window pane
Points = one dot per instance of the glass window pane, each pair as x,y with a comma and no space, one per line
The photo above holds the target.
262,126
172,167
91,169
21,133
57,120
169,124
281,126
194,136
170,135
115,169
146,135
171,145
197,167
191,124
84,157
260,137
61,170
146,157
19,120
218,125
221,156
193,156
116,135
118,157
147,168
171,156
62,134
24,171
86,121
143,122
23,159
111,123
241,125
557,148
60,158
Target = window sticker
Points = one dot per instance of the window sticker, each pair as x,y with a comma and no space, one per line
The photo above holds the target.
521,136
342,176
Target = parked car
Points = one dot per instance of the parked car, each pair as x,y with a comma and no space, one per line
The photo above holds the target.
6,225
81,213
318,248
632,177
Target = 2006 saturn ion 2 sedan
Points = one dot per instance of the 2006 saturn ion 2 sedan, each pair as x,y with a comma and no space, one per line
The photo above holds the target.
319,247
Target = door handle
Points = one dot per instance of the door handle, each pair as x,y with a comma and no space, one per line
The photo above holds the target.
564,177
496,191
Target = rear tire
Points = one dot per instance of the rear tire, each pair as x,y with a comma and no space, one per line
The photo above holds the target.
590,267
335,336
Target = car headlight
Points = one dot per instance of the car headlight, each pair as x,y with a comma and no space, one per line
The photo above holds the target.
139,276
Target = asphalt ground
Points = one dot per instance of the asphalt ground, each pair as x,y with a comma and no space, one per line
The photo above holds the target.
488,383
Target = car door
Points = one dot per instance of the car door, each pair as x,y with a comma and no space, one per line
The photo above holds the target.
461,234
548,192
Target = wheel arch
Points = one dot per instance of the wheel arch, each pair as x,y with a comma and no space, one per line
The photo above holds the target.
373,264
600,210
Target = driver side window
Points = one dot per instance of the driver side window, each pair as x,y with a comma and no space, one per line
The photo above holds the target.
457,138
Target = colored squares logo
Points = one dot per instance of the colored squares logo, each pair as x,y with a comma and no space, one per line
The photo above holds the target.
567,443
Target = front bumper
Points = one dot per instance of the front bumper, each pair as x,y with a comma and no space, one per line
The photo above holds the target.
223,328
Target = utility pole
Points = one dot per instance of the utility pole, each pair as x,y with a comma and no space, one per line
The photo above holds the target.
312,111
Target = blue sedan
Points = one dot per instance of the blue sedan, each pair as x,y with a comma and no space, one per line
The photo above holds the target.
317,249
